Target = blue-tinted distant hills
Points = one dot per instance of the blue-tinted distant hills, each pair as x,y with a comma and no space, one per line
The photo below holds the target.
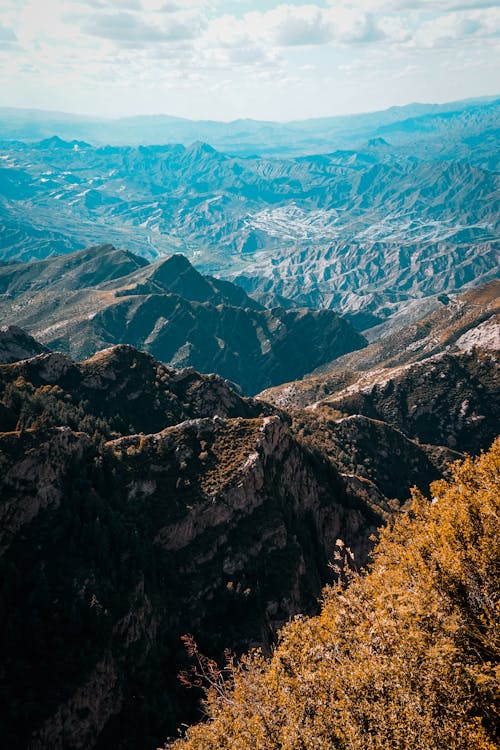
246,136
365,214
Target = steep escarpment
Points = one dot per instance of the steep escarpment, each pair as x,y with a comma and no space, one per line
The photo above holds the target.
406,656
220,527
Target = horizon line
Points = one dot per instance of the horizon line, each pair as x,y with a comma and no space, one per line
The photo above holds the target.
108,118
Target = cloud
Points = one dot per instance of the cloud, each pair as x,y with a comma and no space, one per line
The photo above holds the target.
296,26
173,6
75,46
393,6
455,27
7,34
301,25
115,4
126,27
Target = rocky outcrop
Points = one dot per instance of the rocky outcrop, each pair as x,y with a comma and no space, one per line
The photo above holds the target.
80,720
16,344
34,469
219,527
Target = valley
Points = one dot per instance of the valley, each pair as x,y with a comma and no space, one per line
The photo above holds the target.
365,228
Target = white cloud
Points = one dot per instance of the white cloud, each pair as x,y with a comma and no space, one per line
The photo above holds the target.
164,44
130,27
294,26
7,34
458,26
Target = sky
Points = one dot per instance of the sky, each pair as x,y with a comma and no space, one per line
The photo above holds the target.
228,59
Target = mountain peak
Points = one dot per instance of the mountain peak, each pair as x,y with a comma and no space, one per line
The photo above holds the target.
378,143
201,147
176,263
167,271
56,142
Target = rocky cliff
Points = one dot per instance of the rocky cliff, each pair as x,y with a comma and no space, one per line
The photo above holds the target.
218,527
139,503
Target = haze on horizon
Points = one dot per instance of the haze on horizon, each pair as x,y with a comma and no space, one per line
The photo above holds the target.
260,59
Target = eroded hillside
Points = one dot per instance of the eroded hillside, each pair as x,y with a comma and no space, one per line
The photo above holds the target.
86,301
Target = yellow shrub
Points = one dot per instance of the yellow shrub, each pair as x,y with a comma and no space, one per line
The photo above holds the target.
405,657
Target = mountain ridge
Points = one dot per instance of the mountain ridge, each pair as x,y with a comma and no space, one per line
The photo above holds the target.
172,311
140,502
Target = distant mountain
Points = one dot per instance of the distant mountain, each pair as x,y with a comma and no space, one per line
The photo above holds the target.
366,231
101,297
250,137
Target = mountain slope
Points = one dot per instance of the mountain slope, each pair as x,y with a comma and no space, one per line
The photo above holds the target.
15,344
448,399
110,554
405,656
171,311
116,392
89,267
458,323
219,520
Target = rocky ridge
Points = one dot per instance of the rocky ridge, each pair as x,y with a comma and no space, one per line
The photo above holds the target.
217,526
171,311
140,502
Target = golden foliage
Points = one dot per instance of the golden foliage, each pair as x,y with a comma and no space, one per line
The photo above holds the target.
404,657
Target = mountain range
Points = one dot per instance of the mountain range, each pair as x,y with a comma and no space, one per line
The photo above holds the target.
407,126
222,364
89,300
368,228
140,502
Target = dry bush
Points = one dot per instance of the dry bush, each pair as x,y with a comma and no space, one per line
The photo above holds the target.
403,657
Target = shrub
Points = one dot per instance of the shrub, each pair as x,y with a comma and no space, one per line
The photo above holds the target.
403,657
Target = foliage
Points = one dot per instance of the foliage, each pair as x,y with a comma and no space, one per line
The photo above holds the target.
34,407
405,657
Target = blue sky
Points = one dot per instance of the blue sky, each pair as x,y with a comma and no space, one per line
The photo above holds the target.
224,59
